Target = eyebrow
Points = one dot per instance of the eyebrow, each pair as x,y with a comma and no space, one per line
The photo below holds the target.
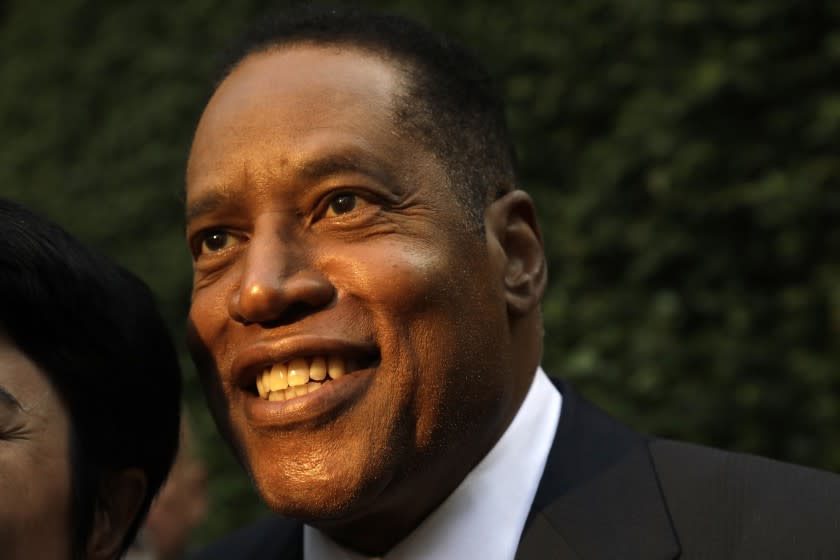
209,203
309,171
335,164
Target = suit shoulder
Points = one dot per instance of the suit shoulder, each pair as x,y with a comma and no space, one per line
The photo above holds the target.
267,538
748,473
749,505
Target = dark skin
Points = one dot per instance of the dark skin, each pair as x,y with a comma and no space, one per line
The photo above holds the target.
319,228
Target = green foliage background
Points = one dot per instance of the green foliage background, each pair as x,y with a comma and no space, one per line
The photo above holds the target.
683,154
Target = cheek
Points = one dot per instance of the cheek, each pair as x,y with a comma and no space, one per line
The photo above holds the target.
208,308
431,299
434,310
413,303
395,278
206,326
35,509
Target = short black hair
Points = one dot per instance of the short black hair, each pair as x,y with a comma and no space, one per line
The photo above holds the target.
93,328
451,103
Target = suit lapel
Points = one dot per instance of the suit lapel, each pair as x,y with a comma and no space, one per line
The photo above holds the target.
541,540
599,496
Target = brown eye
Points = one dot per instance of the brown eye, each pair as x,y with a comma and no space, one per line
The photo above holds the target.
215,241
342,204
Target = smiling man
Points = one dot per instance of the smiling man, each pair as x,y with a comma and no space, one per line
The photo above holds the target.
366,322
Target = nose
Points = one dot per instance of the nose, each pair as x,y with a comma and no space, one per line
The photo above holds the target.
278,285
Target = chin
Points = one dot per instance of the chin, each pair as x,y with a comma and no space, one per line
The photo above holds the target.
312,489
322,503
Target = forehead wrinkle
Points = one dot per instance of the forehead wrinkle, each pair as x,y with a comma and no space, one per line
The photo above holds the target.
228,194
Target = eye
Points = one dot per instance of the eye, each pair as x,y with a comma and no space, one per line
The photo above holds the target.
341,204
214,241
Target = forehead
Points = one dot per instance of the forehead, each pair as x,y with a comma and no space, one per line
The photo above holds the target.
22,383
287,103
294,72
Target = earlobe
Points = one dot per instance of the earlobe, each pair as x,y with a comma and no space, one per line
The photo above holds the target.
512,221
121,496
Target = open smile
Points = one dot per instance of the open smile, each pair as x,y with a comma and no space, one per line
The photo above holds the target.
306,385
301,376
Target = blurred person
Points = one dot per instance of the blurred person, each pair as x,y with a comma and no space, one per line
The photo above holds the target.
89,396
366,323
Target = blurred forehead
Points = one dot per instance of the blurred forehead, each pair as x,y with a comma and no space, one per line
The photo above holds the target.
23,386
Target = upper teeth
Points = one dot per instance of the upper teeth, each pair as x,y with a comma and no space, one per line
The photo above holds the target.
298,376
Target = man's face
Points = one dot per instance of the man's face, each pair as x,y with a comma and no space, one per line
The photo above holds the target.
324,237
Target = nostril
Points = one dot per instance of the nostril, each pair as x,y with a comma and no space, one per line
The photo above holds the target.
283,300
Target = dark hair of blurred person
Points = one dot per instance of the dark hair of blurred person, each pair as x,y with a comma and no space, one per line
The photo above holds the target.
86,367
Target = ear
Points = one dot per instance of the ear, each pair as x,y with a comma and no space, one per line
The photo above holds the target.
120,498
512,222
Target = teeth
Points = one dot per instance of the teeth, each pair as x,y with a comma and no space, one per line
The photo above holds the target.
277,379
261,387
335,367
318,369
298,372
298,377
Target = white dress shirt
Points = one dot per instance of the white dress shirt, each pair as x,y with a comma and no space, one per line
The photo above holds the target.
485,515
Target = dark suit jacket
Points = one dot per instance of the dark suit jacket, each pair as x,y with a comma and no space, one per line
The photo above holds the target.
608,492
